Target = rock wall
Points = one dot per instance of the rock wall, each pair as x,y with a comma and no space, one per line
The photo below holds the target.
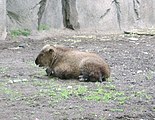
103,15
50,13
116,15
98,15
2,19
22,14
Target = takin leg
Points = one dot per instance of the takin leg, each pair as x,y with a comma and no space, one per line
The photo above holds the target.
49,72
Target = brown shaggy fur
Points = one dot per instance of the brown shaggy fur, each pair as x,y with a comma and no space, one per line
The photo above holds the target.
67,63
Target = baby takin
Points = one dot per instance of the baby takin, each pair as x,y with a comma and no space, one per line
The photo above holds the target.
68,63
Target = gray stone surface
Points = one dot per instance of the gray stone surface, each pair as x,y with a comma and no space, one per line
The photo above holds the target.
32,13
22,14
98,15
102,15
52,15
137,14
116,15
2,19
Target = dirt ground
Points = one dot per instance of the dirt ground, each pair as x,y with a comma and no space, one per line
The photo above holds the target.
26,93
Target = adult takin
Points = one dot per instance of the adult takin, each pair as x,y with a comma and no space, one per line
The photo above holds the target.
67,63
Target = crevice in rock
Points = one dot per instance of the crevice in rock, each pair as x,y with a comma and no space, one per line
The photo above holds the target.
136,5
106,12
70,15
13,16
118,12
41,11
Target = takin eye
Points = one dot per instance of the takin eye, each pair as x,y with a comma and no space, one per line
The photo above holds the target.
51,50
41,55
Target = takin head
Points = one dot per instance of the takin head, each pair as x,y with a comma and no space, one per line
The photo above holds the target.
46,56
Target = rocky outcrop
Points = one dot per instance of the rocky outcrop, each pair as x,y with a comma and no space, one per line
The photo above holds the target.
102,15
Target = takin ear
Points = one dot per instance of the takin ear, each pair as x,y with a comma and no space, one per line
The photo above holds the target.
51,50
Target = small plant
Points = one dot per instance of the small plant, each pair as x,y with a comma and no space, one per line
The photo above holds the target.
43,27
117,110
81,91
122,100
93,97
52,93
65,93
150,75
120,97
142,95
3,69
19,32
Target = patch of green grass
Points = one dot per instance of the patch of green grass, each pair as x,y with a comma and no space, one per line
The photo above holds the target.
142,95
121,97
19,32
100,92
3,69
117,110
150,75
81,90
9,93
43,27
122,100
65,93
106,93
54,91
107,96
93,97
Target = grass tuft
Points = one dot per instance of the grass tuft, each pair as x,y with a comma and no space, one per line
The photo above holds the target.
20,32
